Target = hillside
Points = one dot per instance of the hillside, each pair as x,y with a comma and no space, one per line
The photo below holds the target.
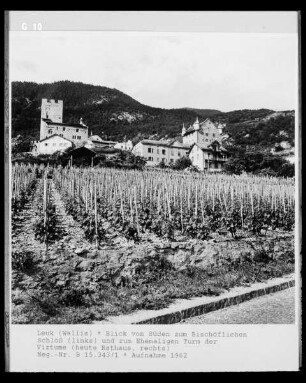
107,112
269,131
205,112
114,115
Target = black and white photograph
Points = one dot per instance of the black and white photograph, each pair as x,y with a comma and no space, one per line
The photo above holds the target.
153,177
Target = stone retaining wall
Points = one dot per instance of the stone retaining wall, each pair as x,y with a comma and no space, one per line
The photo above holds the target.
120,264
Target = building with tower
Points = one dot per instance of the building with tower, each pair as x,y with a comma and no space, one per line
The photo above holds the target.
205,142
51,125
201,142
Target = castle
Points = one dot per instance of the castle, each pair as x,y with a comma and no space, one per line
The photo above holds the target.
56,135
201,142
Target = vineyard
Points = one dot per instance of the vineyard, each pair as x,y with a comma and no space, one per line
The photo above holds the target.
102,241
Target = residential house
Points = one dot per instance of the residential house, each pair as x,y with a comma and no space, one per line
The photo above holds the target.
51,144
208,156
155,151
126,145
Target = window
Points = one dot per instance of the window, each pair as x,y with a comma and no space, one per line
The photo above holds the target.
163,151
214,135
61,135
64,129
150,158
46,144
157,159
73,137
157,151
171,160
150,150
77,130
172,153
179,154
50,131
79,137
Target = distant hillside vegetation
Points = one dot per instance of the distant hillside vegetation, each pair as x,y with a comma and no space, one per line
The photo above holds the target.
107,112
114,115
265,132
205,112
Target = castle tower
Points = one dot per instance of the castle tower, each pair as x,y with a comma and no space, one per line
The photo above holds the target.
52,110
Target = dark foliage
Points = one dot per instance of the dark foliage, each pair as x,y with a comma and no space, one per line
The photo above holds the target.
258,161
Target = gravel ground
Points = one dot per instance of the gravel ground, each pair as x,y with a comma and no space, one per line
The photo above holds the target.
277,308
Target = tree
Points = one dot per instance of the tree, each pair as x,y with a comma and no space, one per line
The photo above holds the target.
287,170
257,161
162,165
182,163
21,145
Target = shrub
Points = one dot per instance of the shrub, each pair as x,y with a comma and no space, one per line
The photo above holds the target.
74,297
23,261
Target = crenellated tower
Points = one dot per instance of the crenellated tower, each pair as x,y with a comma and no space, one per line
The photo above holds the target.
50,110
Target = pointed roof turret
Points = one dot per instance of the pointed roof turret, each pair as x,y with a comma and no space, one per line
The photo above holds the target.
82,122
183,130
196,125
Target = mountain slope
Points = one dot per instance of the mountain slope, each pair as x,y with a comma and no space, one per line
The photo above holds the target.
106,111
114,115
205,112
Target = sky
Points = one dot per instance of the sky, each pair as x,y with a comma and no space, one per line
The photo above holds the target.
169,70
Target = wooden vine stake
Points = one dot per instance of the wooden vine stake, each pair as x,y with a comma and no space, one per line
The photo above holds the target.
45,206
136,211
96,215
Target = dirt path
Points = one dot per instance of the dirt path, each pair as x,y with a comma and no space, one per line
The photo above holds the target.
75,239
23,237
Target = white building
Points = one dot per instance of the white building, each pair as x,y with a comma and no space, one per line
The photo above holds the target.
208,156
156,152
206,151
51,144
126,145
201,133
